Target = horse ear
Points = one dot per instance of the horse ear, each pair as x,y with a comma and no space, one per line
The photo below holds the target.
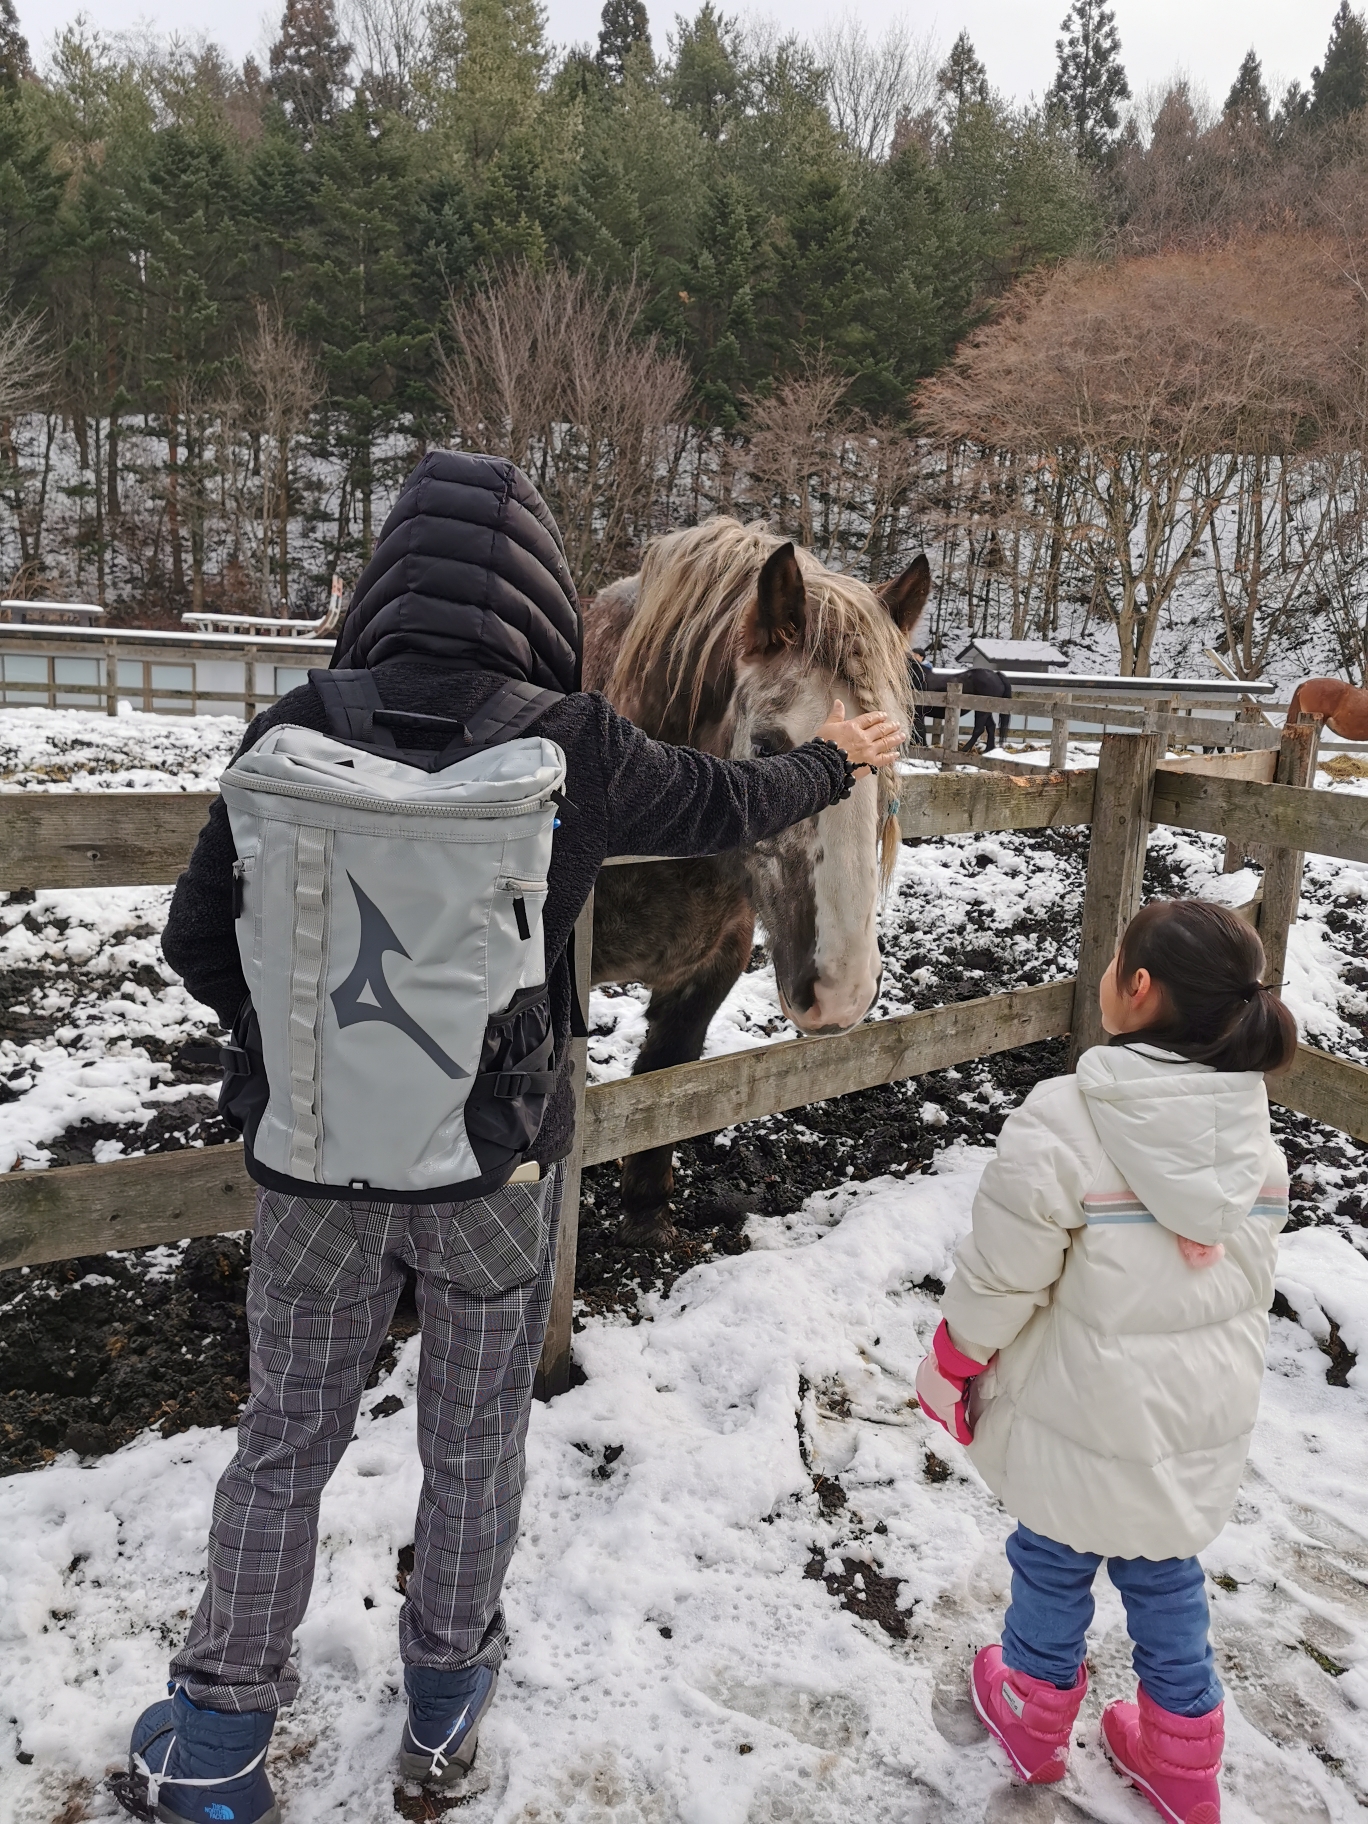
905,596
780,604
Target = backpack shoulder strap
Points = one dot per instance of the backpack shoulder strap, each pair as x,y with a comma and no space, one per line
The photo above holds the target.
351,699
504,716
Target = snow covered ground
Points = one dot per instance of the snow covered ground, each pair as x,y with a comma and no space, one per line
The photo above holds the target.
751,1575
695,1615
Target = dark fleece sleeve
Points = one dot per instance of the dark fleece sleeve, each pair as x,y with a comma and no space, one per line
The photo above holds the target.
199,941
665,800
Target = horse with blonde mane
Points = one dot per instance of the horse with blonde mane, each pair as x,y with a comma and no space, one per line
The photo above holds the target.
732,641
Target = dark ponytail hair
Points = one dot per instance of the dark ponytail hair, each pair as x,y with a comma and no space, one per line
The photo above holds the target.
1209,964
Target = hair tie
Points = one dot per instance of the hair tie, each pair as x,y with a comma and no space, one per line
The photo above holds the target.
1247,994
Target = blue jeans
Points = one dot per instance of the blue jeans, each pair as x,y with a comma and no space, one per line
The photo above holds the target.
1045,1633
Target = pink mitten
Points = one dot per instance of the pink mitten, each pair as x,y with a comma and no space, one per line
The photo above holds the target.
1200,1253
943,1385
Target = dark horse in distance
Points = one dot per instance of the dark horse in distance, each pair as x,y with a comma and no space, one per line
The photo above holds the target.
732,641
979,682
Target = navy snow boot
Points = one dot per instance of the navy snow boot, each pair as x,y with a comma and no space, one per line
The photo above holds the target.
193,1766
443,1727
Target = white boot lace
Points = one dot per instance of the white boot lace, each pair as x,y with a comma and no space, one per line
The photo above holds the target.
441,1760
158,1777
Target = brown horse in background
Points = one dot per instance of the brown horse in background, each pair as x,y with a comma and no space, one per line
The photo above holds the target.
1343,707
731,641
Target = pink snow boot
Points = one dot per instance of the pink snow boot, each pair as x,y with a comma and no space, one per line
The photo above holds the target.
1030,1717
1173,1760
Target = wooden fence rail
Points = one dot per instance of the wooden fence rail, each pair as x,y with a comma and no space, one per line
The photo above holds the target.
131,838
137,1203
59,840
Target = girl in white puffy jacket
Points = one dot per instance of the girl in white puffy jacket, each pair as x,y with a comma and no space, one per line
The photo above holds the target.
1102,1345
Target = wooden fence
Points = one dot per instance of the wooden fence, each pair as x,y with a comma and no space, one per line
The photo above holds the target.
1258,798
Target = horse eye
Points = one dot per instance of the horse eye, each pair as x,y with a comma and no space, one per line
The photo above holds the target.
771,741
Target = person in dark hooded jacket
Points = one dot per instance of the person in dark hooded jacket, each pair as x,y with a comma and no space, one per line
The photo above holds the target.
468,589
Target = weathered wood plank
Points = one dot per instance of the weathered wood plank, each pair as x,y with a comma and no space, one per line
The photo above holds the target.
1116,869
948,804
1283,867
688,1099
1277,816
123,839
1328,1089
97,839
1260,765
89,1209
130,1203
950,727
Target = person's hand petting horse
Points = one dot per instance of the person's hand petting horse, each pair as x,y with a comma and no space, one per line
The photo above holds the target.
868,742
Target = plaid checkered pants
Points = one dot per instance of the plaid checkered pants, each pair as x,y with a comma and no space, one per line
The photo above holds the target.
324,1282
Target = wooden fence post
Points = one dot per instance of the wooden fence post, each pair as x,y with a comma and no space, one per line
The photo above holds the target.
1059,741
950,727
553,1375
1283,867
1116,869
1235,857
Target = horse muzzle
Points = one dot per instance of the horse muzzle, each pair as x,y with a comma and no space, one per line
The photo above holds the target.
831,1006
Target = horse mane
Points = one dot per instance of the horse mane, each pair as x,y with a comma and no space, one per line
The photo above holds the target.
695,588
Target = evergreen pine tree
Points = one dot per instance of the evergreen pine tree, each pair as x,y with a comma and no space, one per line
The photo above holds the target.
707,78
624,26
1089,80
488,61
962,78
1247,103
1293,110
309,63
14,51
1339,87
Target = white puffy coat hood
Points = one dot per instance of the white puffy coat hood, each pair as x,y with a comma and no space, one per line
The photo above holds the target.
1191,1142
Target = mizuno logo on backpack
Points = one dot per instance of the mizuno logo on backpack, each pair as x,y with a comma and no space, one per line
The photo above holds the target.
367,979
389,923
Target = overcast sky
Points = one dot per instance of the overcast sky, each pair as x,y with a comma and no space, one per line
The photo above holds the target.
1205,39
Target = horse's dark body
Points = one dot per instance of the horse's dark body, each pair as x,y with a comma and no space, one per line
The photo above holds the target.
980,682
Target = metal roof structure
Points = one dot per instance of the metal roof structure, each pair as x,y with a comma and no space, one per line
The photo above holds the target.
1027,655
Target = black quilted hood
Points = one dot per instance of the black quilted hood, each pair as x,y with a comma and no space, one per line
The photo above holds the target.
470,569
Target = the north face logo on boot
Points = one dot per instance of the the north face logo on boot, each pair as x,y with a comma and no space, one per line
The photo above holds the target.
366,995
1014,1702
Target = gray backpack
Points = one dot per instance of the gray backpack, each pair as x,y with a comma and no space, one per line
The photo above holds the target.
389,917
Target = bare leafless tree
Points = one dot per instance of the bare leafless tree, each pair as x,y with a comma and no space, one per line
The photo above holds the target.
1156,376
549,368
826,475
285,385
1341,565
872,84
28,365
390,38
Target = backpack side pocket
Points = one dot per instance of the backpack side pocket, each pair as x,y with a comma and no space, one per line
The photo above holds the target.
245,1092
503,1112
